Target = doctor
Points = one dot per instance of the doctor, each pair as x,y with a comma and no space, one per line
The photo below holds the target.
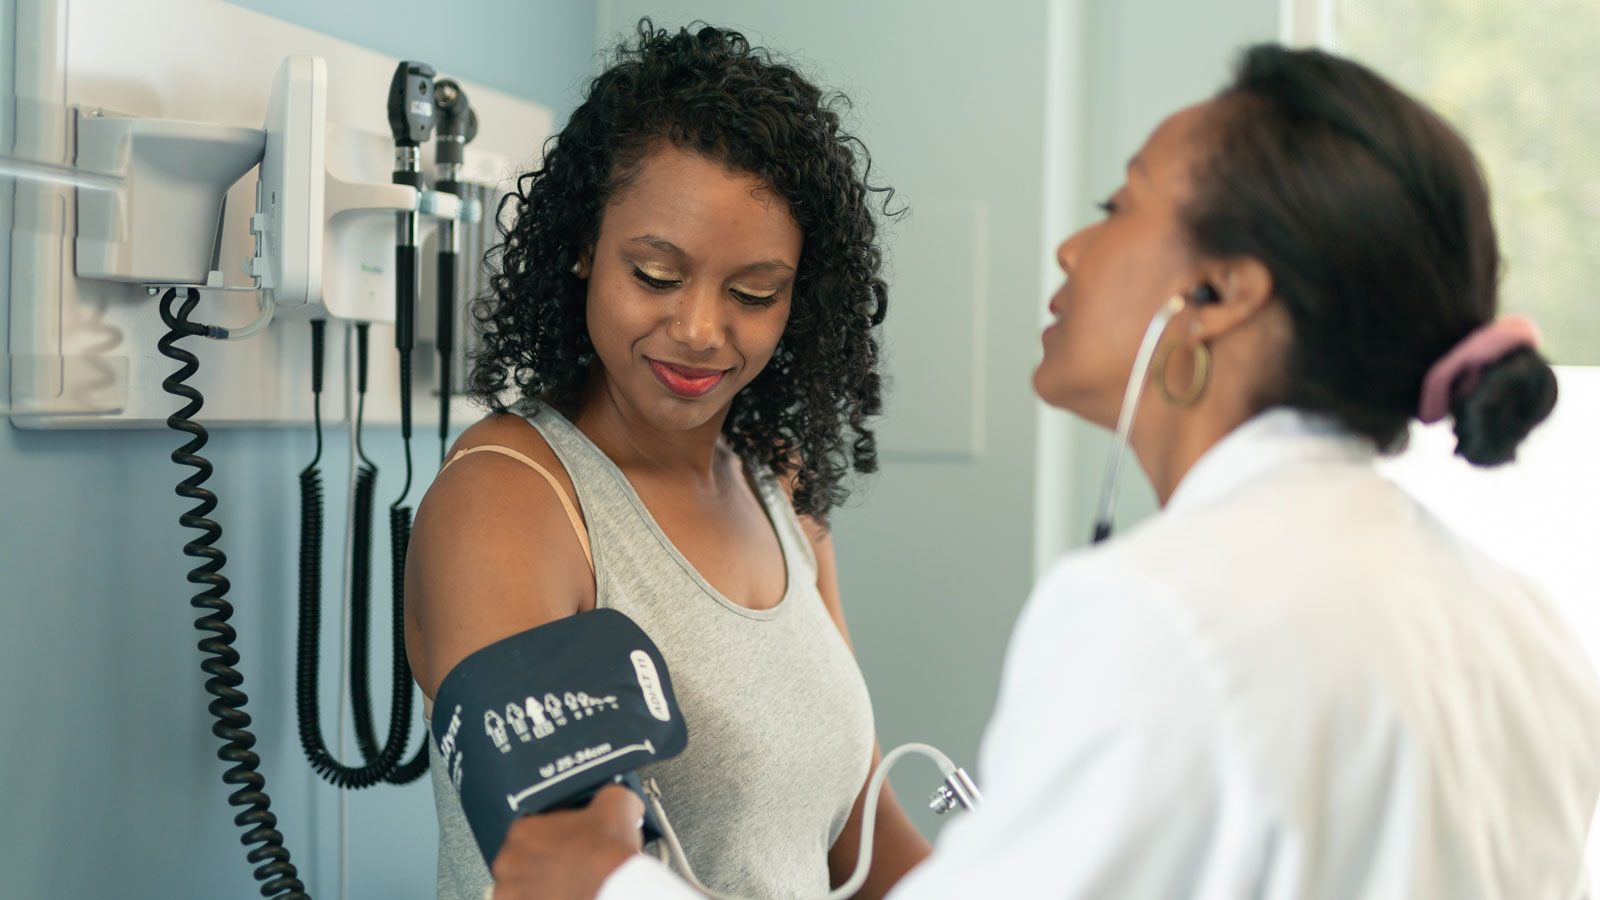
1293,682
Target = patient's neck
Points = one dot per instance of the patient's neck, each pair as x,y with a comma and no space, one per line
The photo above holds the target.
635,443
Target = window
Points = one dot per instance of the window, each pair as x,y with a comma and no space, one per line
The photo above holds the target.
1520,79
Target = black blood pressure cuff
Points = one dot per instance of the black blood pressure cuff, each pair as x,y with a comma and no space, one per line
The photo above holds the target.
543,719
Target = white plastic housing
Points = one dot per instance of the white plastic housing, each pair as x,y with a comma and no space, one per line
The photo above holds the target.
162,227
289,194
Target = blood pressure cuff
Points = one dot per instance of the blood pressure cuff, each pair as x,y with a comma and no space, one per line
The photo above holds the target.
543,719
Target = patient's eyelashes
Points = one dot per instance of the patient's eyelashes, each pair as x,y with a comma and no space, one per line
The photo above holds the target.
659,284
756,299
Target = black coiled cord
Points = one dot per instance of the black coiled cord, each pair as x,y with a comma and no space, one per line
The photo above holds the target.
399,542
361,589
361,566
400,535
306,661
271,858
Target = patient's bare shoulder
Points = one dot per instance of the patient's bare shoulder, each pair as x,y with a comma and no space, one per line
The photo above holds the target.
493,551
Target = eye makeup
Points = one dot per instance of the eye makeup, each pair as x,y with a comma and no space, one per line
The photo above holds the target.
653,280
755,299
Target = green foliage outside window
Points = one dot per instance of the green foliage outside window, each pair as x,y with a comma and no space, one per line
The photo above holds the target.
1521,79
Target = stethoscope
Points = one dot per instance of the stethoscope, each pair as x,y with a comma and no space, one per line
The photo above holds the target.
958,789
1169,310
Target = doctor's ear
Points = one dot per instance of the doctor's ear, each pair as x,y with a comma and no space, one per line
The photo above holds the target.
1230,293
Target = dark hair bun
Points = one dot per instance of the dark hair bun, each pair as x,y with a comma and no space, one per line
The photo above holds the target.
1512,396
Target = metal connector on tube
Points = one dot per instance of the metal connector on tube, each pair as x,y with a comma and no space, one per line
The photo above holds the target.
407,170
958,790
407,229
408,159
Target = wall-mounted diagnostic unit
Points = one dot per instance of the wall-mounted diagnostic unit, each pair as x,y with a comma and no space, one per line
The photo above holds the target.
180,232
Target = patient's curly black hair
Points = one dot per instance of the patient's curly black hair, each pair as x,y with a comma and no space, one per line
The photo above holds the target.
708,91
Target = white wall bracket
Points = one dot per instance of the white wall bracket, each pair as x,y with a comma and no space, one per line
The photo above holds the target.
360,230
162,226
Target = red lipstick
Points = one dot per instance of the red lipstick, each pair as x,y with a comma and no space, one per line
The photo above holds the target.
686,381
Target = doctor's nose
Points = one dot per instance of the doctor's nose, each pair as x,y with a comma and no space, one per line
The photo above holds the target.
1067,253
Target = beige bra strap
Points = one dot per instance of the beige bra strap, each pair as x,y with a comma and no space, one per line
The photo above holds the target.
566,502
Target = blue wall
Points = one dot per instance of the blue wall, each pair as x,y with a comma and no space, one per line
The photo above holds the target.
109,782
538,49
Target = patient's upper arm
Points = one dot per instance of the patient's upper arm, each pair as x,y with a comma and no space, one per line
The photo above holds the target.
492,554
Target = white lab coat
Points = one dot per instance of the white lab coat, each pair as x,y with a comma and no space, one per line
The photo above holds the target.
1292,683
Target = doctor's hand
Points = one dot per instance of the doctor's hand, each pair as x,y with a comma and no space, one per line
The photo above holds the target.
567,855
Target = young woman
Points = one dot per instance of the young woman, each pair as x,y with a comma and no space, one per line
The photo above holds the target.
1293,682
680,349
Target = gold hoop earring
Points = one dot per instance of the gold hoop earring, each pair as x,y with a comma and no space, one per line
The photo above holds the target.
1197,383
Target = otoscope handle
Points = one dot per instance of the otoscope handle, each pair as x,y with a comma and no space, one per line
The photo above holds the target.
446,327
447,291
405,313
361,356
318,326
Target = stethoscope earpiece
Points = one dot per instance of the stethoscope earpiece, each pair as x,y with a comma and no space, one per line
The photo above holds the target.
1204,294
1130,405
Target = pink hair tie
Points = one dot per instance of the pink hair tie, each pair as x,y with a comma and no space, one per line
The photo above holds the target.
1458,371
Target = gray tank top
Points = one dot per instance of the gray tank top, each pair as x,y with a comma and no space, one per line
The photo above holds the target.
780,725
